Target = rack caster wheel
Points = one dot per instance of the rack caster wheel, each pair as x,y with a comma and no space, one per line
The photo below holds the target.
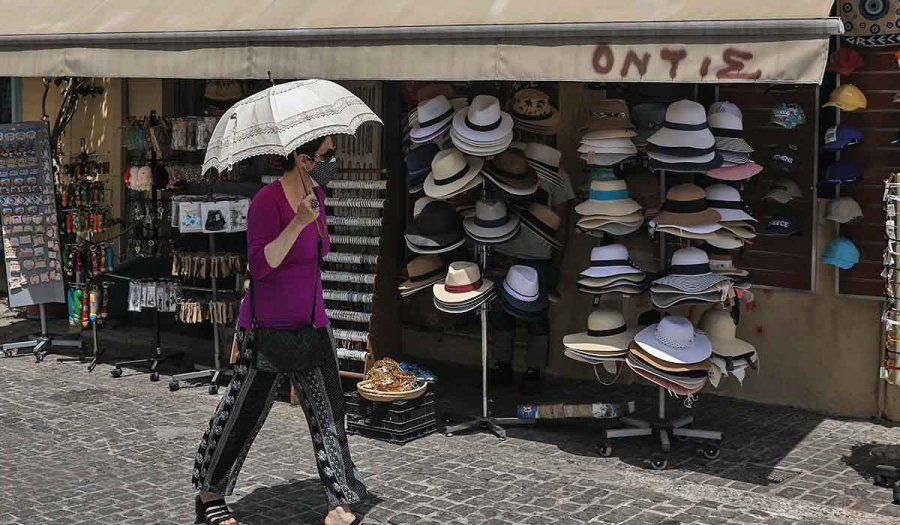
605,450
116,372
710,451
154,376
659,462
213,389
174,385
8,353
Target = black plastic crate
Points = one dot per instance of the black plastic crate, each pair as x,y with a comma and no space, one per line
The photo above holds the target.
397,412
390,426
397,438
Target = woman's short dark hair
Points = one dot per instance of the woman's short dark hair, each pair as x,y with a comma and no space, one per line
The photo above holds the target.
309,149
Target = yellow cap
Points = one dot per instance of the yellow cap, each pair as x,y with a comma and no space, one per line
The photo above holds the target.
846,97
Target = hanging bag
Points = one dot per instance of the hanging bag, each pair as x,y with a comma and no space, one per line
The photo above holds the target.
293,350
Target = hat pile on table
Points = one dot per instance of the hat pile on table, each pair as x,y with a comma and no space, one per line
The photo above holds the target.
422,271
463,289
727,126
606,135
511,173
730,355
532,112
609,209
612,272
690,280
452,174
520,294
436,227
482,129
737,224
672,354
684,143
606,339
493,223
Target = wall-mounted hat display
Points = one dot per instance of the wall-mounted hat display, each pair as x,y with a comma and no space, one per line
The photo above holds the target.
418,166
545,160
841,136
783,191
841,252
787,116
843,210
684,143
686,206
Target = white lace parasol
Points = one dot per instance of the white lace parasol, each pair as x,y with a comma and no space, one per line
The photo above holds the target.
280,119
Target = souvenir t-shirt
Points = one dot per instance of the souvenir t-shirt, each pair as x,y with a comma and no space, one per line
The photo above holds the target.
529,245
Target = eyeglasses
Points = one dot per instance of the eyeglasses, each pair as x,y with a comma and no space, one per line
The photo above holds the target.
324,157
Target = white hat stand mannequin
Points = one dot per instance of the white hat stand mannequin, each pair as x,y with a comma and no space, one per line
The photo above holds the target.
663,427
485,421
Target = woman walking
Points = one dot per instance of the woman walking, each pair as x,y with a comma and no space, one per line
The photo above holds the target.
287,235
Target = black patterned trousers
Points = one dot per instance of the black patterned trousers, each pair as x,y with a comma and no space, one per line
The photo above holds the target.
243,410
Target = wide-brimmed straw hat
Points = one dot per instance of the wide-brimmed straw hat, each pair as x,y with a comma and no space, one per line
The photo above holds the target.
666,366
423,271
607,333
728,202
532,111
492,223
722,332
735,172
462,284
434,116
452,173
722,262
511,172
685,127
612,259
690,272
608,197
674,340
543,221
686,205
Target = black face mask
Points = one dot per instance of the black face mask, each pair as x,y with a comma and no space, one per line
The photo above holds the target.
324,172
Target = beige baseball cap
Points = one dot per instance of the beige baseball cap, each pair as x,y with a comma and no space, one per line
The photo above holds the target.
843,210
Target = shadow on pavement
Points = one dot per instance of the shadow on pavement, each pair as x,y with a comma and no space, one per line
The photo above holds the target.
300,501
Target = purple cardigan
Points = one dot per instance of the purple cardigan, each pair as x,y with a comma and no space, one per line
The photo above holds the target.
283,295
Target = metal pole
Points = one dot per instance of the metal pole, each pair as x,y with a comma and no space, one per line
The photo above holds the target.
662,404
212,252
43,320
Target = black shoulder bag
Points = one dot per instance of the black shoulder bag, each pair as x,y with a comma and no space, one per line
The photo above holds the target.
293,350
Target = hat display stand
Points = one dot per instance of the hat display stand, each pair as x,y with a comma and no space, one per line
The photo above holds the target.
890,368
663,428
485,421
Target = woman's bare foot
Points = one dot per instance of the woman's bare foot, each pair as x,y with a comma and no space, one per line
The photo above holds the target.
206,496
339,516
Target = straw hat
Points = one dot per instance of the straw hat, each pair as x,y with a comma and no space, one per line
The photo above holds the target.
462,284
690,272
722,262
492,223
674,340
606,332
727,201
609,114
608,197
543,221
423,271
612,259
545,160
604,159
666,366
452,173
434,116
482,126
511,172
608,134
686,205
722,332
685,126
532,111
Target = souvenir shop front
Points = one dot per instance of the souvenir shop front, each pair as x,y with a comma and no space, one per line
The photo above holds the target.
674,165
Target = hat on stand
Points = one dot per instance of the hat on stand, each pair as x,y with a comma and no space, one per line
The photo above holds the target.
728,203
730,354
612,271
511,172
728,129
841,172
423,271
684,143
520,293
463,288
784,224
686,207
545,160
605,140
841,136
784,157
841,252
452,173
437,228
722,262
846,97
482,129
607,334
783,191
843,210
492,223
648,118
690,273
608,115
418,165
666,345
542,221
610,209
532,112
433,117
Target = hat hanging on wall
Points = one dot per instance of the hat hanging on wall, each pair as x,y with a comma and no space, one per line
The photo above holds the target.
787,116
841,252
784,224
841,172
843,210
532,112
846,97
686,206
841,136
845,61
684,143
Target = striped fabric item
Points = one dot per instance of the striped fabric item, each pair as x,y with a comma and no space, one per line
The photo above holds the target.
352,355
348,297
355,221
356,240
348,315
349,277
351,258
357,185
351,335
354,203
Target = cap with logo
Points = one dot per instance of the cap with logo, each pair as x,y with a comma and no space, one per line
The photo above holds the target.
783,225
784,158
788,116
846,97
841,136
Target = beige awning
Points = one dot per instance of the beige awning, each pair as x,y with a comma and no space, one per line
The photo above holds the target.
584,40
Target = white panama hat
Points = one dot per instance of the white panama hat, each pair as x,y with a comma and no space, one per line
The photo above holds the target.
674,339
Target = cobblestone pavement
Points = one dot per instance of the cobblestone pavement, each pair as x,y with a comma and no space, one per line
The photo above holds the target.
81,447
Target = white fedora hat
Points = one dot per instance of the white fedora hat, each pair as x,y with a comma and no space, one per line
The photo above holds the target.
607,332
462,284
482,121
611,259
685,127
451,173
608,197
722,332
423,271
434,116
690,271
727,201
521,290
492,222
674,339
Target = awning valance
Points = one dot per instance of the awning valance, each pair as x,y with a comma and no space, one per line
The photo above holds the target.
585,40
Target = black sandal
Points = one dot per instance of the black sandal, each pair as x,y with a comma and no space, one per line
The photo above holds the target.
212,512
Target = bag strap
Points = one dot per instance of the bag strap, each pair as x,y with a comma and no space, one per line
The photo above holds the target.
316,276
